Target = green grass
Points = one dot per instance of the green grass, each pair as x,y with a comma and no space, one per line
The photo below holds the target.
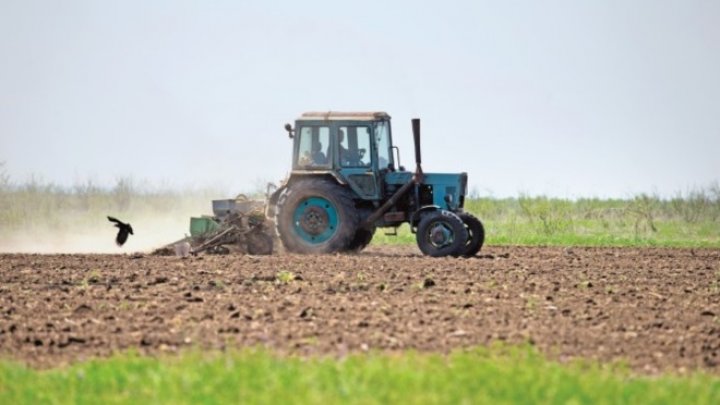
501,374
687,220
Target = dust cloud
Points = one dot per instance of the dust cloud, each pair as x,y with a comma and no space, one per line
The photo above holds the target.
150,232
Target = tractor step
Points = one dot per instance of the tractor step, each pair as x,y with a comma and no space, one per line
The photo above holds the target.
391,233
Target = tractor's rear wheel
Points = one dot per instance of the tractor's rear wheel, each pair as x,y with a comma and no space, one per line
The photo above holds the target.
317,216
441,233
476,234
362,238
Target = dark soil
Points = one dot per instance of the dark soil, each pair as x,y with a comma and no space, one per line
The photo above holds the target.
656,309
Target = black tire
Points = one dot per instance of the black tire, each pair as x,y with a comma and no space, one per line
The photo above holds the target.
259,243
362,238
476,234
441,233
292,234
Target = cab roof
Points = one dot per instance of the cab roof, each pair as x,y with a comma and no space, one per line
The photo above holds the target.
344,116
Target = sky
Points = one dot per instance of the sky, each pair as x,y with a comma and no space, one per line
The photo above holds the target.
558,98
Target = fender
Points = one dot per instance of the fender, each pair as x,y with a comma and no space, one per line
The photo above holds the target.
415,216
295,175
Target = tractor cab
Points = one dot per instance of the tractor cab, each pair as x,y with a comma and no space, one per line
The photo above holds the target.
355,148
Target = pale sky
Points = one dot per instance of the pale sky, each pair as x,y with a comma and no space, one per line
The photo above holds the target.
562,98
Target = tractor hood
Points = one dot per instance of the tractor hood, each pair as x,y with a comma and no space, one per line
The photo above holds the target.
445,190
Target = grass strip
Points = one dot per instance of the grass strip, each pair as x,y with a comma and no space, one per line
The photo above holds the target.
499,374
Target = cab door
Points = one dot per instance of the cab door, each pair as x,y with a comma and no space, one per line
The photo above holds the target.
354,157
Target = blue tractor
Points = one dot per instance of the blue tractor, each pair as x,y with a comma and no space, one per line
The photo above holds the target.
347,181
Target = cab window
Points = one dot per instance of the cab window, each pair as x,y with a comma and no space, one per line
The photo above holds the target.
382,142
312,146
354,146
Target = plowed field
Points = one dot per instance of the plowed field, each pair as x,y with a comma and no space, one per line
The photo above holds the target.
656,309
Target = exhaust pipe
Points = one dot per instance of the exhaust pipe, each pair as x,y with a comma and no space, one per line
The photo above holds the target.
416,137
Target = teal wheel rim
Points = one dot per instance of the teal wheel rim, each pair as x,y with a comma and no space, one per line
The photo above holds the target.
315,220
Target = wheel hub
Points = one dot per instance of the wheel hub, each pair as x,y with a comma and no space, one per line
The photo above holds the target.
440,235
314,220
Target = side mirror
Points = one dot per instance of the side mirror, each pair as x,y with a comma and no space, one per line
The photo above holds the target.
290,130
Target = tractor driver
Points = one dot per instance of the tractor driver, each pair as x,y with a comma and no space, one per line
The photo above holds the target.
318,158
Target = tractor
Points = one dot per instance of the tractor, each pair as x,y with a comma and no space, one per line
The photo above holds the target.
347,181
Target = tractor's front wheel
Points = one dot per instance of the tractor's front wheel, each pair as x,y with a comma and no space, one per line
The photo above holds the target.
441,233
316,216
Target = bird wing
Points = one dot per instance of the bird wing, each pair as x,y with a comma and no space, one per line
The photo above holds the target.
113,219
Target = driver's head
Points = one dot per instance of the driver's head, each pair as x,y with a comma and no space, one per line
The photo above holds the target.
341,135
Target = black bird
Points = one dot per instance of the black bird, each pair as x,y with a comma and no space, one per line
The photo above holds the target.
123,230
